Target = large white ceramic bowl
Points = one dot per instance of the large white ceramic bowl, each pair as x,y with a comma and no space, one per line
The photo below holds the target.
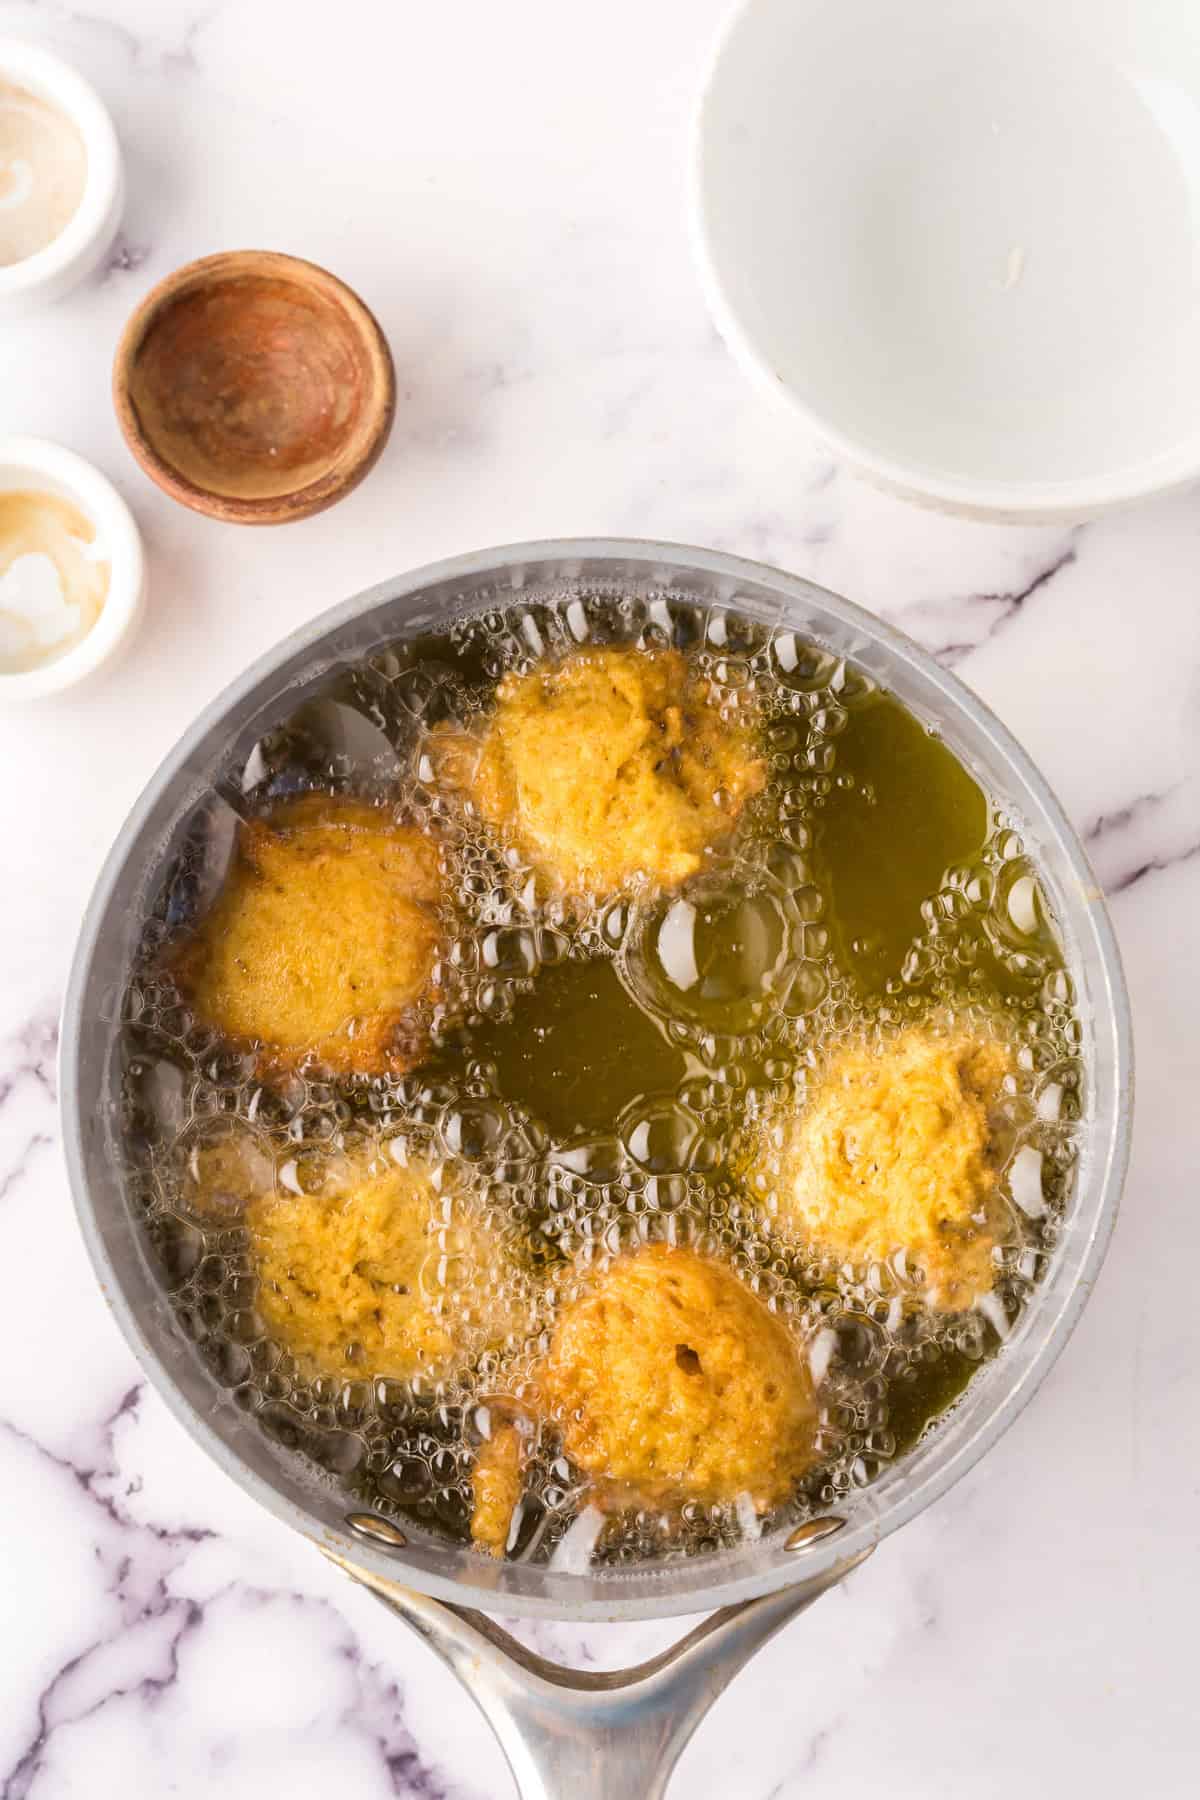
961,238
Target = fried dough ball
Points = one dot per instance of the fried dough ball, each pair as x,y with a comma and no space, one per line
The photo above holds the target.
380,1273
608,765
496,1484
672,1381
894,1151
323,940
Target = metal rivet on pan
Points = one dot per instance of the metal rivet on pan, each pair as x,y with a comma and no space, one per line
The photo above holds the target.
811,1532
370,1525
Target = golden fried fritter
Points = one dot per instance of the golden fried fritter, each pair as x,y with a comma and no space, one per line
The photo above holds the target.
496,1485
894,1152
323,940
671,1380
605,766
378,1273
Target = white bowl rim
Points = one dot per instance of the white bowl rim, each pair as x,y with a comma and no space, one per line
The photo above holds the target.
1076,498
115,524
51,78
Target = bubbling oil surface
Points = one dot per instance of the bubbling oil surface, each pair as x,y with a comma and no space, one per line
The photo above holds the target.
601,1074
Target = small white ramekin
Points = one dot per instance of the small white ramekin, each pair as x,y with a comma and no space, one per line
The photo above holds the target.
87,237
35,464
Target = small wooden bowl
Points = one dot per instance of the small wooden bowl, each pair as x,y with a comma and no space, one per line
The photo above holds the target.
254,387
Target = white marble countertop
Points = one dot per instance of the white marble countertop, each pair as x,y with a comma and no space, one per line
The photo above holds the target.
504,185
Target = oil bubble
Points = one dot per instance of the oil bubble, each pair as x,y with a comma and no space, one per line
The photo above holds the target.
660,1136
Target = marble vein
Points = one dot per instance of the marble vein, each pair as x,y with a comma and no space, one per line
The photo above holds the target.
29,1057
378,1712
135,1559
1151,834
91,1472
20,1168
59,1706
28,1099
951,630
141,1654
148,39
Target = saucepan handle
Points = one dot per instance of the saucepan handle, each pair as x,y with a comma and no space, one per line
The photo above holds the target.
581,1735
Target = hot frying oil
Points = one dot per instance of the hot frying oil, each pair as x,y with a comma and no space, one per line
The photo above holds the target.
602,1072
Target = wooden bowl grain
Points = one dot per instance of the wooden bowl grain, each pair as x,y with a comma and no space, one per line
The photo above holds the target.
254,387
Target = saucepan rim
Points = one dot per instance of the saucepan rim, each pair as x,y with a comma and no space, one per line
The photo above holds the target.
707,1582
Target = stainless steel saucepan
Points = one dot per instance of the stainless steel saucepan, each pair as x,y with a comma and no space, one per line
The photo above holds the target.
568,1733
